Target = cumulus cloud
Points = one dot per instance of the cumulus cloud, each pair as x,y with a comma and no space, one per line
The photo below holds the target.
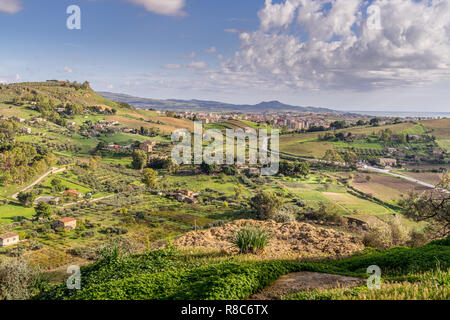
196,65
10,6
329,44
164,7
68,70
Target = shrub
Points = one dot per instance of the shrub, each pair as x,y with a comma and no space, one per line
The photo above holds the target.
399,233
327,211
251,240
416,239
18,280
384,237
378,237
283,216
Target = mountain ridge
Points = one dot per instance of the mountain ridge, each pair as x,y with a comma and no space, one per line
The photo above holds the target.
210,106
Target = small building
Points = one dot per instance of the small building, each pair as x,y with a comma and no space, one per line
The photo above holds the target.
147,146
387,162
73,193
46,199
8,239
65,223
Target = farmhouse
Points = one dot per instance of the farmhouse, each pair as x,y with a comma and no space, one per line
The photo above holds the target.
8,239
147,146
46,199
184,196
66,223
73,193
387,162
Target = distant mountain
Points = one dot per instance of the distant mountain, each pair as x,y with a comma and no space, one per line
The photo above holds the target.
209,106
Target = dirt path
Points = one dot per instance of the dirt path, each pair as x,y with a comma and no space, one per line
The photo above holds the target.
304,281
42,177
93,200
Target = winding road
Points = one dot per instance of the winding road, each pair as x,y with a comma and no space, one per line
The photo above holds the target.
42,177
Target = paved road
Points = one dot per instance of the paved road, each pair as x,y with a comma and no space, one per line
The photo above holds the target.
386,171
374,169
45,175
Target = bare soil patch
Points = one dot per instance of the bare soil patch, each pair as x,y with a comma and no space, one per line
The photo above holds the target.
305,281
299,240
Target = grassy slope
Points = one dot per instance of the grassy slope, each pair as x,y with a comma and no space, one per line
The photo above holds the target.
169,274
441,130
307,145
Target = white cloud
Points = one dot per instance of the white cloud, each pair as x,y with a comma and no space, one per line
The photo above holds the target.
172,66
211,50
336,49
196,65
68,70
231,30
278,15
164,7
10,6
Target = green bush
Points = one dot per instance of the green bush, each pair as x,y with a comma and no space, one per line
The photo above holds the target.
251,240
168,274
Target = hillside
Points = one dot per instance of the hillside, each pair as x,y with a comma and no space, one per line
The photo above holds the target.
171,274
69,155
366,142
210,106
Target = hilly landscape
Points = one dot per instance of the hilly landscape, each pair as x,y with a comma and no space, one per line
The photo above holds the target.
87,180
210,106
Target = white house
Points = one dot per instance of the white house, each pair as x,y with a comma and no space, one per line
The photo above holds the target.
8,239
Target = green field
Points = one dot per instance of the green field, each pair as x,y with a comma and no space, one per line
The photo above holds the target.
9,211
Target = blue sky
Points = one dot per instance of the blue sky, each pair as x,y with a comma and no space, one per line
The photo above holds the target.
241,51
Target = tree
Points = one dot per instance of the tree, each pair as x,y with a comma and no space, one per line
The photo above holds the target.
374,121
208,168
350,157
230,170
433,207
238,192
94,162
368,178
57,185
43,210
139,159
26,198
149,177
265,204
174,168
332,156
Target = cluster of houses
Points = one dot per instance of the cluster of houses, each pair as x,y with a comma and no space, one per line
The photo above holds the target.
11,238
146,146
292,121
